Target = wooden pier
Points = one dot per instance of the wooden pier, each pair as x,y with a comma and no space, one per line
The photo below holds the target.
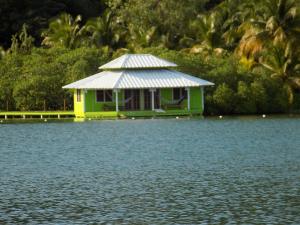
37,115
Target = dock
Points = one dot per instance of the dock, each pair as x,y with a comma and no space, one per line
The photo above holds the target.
37,115
44,115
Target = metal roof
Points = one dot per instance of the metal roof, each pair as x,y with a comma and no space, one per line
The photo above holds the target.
138,79
137,61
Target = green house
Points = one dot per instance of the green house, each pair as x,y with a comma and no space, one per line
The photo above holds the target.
138,85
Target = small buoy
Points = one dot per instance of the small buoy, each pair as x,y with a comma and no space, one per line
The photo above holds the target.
221,117
177,117
133,118
45,120
90,119
264,116
1,121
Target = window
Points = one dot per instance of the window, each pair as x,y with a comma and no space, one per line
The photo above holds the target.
179,93
78,95
108,96
100,96
104,96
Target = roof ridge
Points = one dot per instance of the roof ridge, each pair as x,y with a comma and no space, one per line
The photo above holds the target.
125,60
119,80
88,79
138,54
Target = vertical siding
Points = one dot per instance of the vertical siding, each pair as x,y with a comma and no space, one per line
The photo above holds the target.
78,106
93,106
196,99
167,94
90,102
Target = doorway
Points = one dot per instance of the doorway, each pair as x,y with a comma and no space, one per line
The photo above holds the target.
147,99
132,100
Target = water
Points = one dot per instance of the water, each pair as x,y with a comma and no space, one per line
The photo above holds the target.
235,171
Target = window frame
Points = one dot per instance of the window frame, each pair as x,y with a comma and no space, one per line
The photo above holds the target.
182,92
104,93
109,95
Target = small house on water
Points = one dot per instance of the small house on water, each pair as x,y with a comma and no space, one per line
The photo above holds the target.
138,85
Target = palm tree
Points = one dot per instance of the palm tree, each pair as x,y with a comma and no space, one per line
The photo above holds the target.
142,38
282,20
273,20
237,26
22,42
2,52
285,67
207,29
105,30
64,31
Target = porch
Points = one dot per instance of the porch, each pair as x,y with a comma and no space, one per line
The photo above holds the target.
138,102
138,84
141,114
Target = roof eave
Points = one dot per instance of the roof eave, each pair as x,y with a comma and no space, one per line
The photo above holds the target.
124,88
136,68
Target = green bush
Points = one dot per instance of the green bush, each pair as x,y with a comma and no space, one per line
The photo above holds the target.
224,99
237,90
29,81
246,102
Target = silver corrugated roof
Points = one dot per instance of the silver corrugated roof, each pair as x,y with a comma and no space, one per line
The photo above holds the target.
138,79
137,61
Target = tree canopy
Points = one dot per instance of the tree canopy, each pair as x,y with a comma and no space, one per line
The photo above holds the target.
249,48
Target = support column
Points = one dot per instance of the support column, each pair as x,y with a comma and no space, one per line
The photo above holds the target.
83,100
152,99
202,95
142,100
188,98
117,99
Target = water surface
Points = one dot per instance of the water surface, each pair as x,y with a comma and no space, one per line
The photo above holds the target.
189,171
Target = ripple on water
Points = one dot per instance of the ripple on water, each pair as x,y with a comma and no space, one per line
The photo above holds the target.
151,172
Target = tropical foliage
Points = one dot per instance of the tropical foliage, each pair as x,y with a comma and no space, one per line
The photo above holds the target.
249,48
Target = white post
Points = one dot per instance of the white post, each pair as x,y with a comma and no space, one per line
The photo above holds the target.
83,99
117,100
202,94
189,98
142,100
152,99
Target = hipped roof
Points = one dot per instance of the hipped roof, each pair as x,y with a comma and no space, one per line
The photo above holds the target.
137,61
141,71
138,79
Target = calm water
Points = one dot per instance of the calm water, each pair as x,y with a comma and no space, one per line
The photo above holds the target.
236,171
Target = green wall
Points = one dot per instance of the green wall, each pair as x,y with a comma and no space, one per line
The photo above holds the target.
195,94
92,106
196,99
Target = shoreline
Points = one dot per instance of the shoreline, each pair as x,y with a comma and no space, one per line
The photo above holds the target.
68,116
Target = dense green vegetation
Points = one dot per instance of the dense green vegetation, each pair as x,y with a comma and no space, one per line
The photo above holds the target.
248,48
